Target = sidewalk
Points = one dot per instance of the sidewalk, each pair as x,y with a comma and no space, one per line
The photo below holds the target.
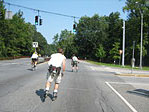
130,72
124,71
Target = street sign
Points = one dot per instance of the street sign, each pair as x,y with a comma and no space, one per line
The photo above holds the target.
35,44
120,52
8,15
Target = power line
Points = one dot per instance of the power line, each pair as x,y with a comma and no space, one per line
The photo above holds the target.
59,14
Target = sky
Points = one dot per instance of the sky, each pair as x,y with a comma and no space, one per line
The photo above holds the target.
53,24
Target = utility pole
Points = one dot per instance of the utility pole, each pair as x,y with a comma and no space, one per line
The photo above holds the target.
123,55
141,12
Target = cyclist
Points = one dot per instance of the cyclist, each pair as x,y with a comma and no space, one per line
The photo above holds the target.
34,59
56,61
74,62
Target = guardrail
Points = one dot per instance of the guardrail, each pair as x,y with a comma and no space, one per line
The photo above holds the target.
40,59
14,57
43,59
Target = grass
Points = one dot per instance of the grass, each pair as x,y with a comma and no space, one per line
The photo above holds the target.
115,65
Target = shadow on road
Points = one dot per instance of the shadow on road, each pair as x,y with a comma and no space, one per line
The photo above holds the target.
30,69
68,70
40,93
141,92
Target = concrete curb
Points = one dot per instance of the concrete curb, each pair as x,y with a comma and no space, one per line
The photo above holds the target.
135,75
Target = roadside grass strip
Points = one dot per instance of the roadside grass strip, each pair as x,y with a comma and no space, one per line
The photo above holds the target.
122,98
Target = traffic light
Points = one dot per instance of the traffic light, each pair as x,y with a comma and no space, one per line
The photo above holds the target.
74,27
36,20
40,21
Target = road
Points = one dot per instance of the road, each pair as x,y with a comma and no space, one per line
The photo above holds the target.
92,89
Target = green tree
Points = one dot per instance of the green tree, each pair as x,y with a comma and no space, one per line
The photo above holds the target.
114,33
16,36
65,41
114,52
2,11
135,8
100,53
90,33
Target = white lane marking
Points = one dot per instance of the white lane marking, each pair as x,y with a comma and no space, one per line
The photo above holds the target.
125,101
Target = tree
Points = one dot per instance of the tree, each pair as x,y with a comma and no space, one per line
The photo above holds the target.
65,41
114,52
133,27
100,53
90,33
114,33
2,11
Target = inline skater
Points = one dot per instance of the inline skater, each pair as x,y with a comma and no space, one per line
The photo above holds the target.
74,63
34,61
55,63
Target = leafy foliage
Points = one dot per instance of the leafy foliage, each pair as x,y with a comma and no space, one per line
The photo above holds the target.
16,36
114,52
100,53
65,41
97,37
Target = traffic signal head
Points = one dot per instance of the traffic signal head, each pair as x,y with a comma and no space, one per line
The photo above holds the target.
74,27
40,21
36,20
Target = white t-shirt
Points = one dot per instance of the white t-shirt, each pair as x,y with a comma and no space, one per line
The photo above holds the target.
74,58
34,56
56,59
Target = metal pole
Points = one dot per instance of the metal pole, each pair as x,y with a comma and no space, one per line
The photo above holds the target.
133,49
120,59
133,59
141,36
141,40
123,55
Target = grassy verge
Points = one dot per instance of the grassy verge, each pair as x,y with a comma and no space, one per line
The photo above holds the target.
115,65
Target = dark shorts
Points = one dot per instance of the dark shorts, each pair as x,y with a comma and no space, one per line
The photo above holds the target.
74,63
34,59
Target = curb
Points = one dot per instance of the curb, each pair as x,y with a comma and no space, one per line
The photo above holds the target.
135,75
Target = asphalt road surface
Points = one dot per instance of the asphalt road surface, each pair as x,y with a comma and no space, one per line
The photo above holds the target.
92,89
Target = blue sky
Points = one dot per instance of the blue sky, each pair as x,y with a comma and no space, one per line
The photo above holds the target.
53,24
